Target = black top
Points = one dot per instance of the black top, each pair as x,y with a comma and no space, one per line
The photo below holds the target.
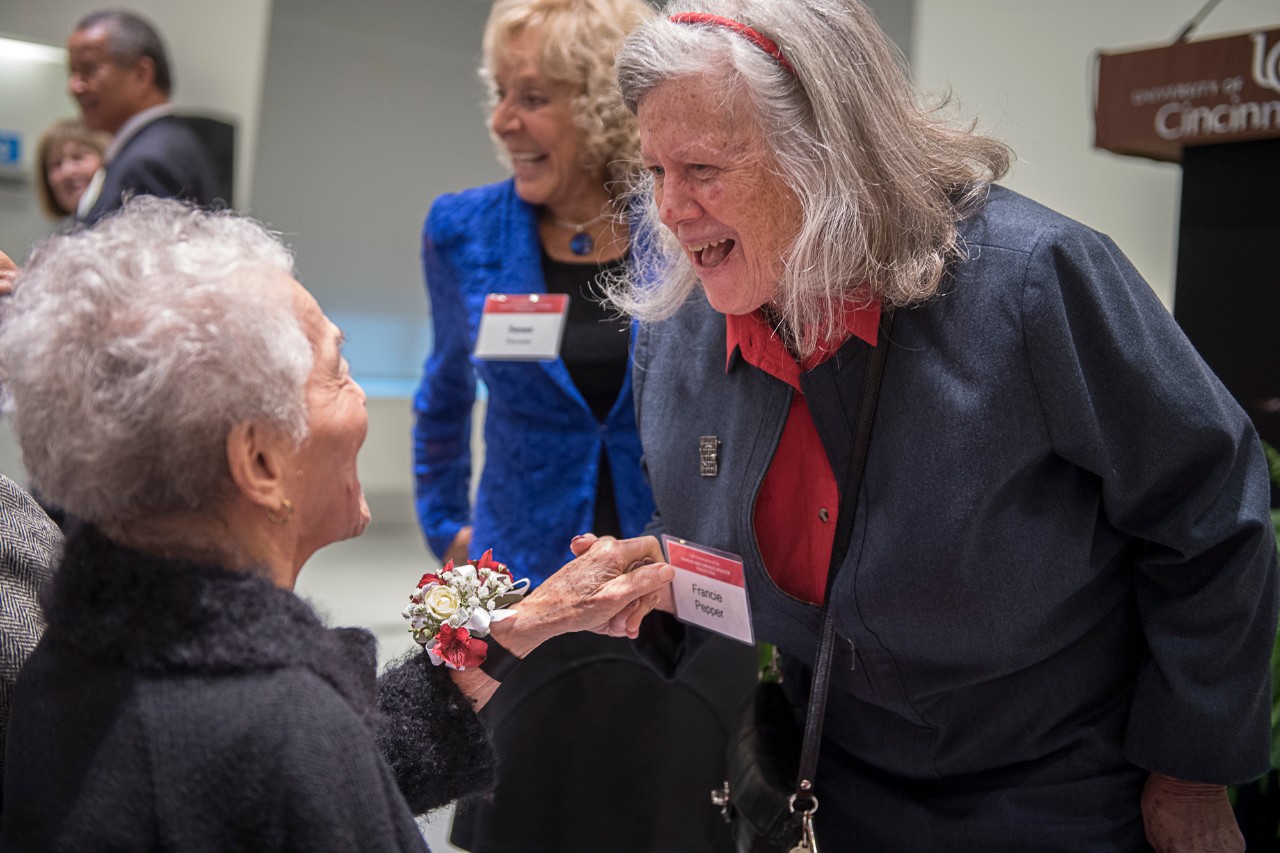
595,339
595,350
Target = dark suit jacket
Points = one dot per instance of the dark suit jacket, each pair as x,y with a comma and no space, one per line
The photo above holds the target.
165,158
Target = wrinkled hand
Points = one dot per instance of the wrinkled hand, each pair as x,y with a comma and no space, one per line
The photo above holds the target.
608,588
627,622
8,272
1188,817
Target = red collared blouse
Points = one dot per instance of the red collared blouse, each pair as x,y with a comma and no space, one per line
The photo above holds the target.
795,512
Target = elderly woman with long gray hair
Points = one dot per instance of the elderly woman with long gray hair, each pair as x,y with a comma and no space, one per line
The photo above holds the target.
186,401
1051,619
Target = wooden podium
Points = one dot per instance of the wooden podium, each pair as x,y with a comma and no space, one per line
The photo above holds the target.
1214,107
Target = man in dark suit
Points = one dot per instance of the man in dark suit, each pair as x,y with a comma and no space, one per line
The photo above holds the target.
120,77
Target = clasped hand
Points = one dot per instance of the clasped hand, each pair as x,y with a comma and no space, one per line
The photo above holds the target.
609,587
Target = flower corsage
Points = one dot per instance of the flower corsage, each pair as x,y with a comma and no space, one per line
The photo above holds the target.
449,611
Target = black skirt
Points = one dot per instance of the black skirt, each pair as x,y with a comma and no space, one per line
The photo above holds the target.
598,753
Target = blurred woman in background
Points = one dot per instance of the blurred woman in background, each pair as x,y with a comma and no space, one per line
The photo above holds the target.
69,155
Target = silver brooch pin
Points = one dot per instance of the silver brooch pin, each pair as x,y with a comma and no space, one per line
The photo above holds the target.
709,455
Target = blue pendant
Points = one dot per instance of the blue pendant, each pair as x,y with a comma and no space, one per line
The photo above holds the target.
581,243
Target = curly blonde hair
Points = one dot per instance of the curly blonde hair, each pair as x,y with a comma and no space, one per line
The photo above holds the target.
581,38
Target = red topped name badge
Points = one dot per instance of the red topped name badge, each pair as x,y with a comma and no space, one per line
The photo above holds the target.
522,326
710,589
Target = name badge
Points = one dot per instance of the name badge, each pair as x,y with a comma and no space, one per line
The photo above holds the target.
522,326
710,589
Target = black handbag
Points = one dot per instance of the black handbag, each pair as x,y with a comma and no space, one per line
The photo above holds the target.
763,765
769,799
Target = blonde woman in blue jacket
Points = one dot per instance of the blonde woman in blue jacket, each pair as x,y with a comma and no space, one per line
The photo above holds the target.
562,456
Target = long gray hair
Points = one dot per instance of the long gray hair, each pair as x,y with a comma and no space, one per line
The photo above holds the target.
881,178
131,349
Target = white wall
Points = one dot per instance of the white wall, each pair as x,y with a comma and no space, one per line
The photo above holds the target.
1024,67
217,50
370,110
218,53
32,97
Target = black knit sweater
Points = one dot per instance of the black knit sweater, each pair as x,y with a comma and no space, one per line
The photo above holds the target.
178,706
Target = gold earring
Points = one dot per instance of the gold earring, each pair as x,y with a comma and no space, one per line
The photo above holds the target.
286,507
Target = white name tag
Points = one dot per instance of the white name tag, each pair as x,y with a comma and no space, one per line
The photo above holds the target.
710,589
518,326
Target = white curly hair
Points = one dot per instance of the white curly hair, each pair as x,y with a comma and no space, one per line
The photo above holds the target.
131,349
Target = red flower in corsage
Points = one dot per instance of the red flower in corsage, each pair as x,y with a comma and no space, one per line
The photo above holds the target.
486,561
449,611
457,648
430,577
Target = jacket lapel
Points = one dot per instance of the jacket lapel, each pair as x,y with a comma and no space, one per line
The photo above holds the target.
518,269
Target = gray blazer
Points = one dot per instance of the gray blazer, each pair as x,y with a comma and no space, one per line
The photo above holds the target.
1062,573
29,547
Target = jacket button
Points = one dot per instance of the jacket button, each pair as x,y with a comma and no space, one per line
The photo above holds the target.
822,515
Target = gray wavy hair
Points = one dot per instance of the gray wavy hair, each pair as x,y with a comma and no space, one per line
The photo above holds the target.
131,349
581,39
882,179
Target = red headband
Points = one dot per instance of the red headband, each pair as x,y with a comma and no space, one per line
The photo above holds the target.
756,37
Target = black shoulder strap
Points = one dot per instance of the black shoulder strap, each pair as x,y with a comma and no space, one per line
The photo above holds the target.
844,531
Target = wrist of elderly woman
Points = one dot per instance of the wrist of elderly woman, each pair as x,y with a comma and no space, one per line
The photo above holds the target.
475,684
607,588
479,683
527,628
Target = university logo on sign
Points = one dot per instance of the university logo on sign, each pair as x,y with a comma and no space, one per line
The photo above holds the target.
1152,103
1266,63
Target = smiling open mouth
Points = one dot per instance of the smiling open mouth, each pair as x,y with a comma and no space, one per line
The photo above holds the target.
711,254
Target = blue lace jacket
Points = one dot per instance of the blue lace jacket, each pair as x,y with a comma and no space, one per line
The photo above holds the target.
542,445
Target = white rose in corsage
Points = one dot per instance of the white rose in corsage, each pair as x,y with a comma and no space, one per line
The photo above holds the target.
449,612
441,601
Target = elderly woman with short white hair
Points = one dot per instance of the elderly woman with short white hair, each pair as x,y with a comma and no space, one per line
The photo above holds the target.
187,402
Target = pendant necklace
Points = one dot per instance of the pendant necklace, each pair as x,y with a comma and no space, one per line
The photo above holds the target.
580,243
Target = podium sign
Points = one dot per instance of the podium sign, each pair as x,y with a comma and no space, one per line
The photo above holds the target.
1151,103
